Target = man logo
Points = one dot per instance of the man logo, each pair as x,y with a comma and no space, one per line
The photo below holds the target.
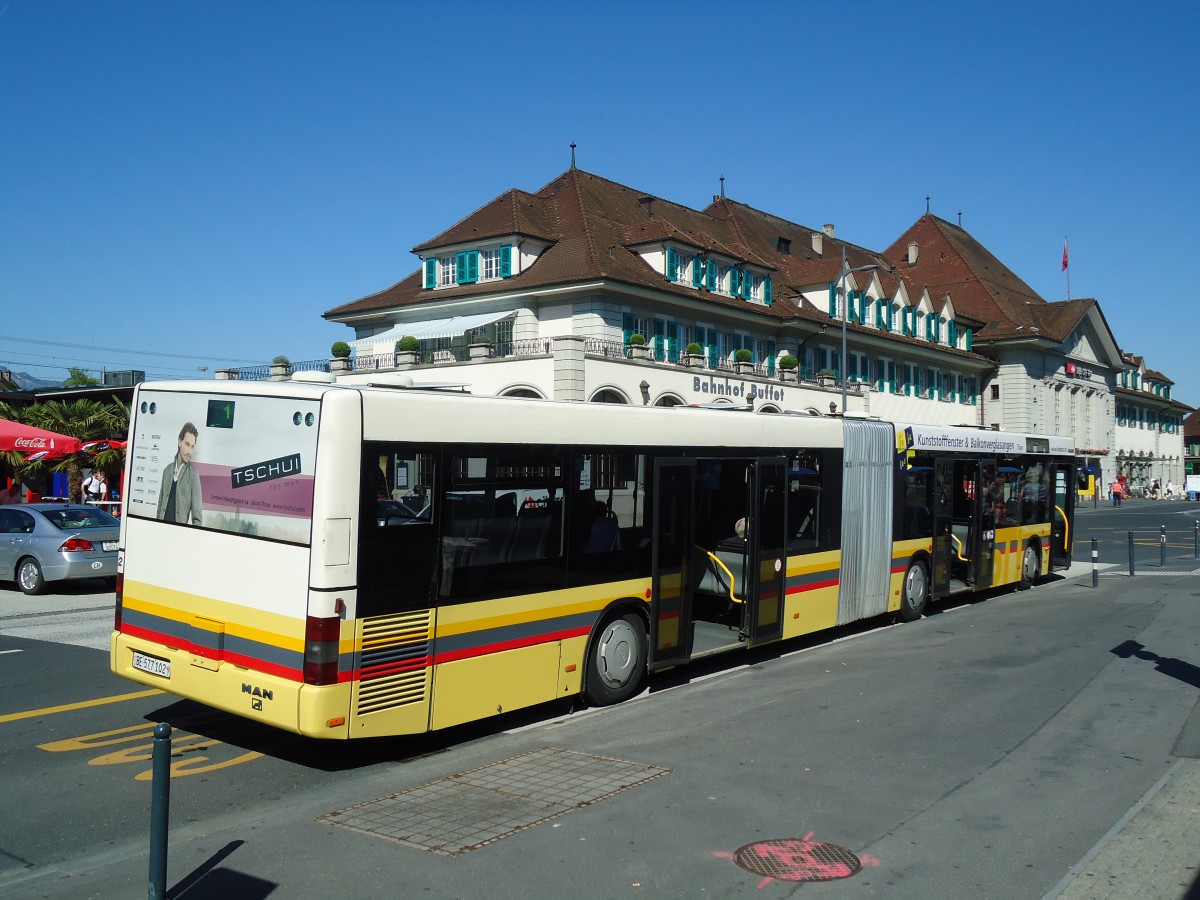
258,693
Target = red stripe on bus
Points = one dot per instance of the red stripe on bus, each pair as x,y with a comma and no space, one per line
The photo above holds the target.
485,649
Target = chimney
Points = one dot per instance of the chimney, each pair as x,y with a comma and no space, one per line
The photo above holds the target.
912,253
818,241
829,229
647,206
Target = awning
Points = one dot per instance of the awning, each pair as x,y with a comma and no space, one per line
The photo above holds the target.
26,439
453,326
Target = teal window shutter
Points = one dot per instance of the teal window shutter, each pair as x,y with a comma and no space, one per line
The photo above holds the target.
710,342
672,263
626,327
431,273
908,379
823,358
460,268
472,266
933,384
833,300
952,332
506,260
771,357
747,280
660,339
904,311
710,274
768,291
972,386
697,271
673,340
970,339
891,374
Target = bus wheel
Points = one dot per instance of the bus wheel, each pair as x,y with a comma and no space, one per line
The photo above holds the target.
915,592
1029,568
616,663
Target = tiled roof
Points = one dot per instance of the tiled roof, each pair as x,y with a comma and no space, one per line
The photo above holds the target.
513,212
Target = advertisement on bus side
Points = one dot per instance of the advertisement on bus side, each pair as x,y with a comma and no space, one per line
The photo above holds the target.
223,462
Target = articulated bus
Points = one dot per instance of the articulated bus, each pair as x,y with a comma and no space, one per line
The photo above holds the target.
356,560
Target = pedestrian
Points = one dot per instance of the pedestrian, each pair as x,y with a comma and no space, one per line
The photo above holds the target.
11,495
1114,490
1155,489
94,488
1170,488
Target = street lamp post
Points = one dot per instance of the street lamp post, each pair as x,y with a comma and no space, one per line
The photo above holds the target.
837,292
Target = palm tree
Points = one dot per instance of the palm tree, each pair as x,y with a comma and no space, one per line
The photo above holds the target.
88,420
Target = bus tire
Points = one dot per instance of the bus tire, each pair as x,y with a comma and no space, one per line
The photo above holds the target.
1030,563
914,593
616,662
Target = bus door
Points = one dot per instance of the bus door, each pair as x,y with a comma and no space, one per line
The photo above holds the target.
762,612
986,512
943,523
671,550
1062,514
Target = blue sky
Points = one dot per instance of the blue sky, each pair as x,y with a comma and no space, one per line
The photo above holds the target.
190,184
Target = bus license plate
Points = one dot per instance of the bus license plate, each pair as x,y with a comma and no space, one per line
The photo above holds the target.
152,664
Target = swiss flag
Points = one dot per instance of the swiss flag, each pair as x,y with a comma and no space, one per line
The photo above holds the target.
1064,254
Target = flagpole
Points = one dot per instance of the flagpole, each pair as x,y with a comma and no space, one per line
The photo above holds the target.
1066,267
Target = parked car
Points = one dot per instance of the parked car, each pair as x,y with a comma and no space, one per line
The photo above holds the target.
41,542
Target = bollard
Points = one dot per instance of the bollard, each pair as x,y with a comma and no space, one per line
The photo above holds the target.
1196,540
1095,564
1162,546
1131,554
160,810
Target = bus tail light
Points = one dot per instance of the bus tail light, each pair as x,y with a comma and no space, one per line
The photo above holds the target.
117,605
321,650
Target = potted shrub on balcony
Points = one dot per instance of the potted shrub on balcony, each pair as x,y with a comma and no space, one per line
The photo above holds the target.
637,347
407,349
827,378
339,357
743,361
281,368
693,356
787,368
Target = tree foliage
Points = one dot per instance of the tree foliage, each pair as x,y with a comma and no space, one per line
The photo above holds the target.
85,419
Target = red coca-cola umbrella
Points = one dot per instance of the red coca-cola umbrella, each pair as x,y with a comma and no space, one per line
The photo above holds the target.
27,439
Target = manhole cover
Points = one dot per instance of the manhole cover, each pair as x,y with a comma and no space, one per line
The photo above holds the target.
796,859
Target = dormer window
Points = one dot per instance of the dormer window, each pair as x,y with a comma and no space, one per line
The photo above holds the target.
468,267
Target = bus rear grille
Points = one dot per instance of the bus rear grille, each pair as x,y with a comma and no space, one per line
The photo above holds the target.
394,663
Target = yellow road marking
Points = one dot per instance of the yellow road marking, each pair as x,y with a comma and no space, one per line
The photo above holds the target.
83,704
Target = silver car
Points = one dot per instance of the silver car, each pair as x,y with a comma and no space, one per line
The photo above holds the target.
42,542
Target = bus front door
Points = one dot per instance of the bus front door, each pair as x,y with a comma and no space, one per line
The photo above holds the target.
762,614
1062,514
672,539
987,495
943,524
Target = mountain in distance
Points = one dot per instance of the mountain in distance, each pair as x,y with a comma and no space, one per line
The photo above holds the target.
26,382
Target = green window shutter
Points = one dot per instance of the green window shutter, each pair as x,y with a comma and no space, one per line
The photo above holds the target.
747,285
933,383
460,268
713,346
771,351
626,327
823,359
850,315
473,265
891,369
672,263
832,300
697,271
952,332
973,387
970,337
660,339
506,260
904,321
673,340
430,273
710,274
908,382
768,291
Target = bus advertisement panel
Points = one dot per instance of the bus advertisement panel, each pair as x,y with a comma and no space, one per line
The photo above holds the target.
239,464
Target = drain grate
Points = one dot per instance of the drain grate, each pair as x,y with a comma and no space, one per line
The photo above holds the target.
466,811
795,859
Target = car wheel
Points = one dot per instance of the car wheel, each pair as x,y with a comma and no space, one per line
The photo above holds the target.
1029,568
915,592
29,576
616,663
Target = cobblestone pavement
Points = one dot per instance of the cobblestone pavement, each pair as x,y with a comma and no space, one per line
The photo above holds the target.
1153,853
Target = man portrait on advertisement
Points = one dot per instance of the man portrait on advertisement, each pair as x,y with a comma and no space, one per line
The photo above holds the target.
179,497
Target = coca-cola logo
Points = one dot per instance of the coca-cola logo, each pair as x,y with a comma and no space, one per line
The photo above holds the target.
35,443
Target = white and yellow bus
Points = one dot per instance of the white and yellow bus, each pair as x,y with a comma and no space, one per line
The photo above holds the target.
347,561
